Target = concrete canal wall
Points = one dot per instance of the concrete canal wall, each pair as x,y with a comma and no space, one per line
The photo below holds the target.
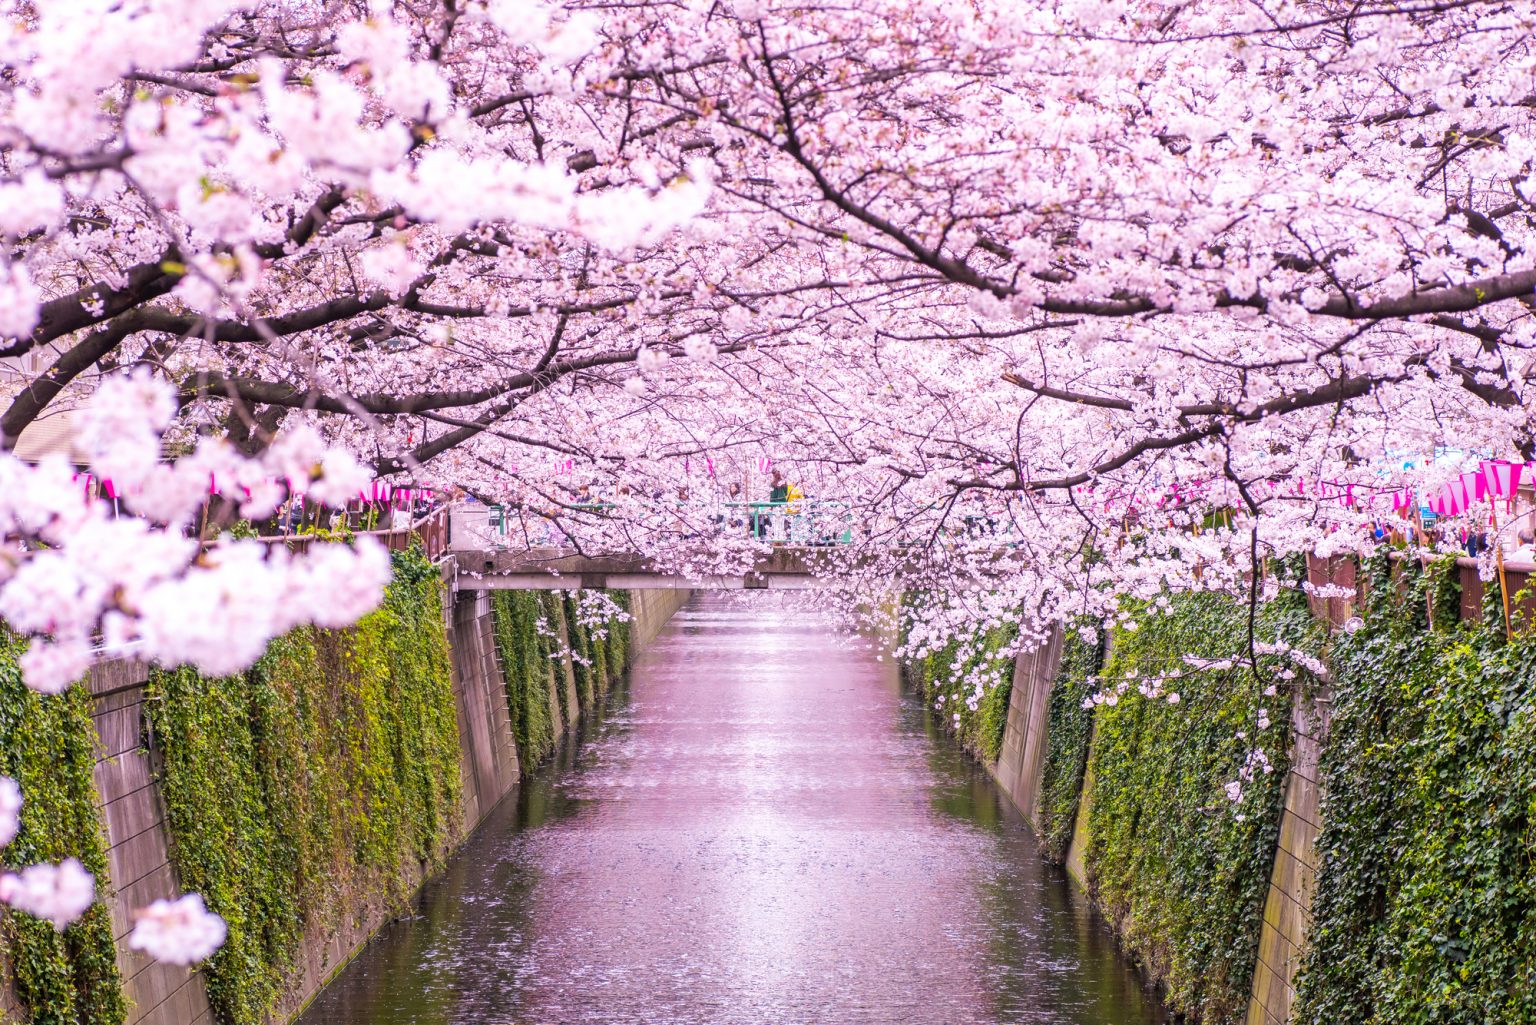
1288,905
141,839
1019,771
139,855
1021,763
1162,865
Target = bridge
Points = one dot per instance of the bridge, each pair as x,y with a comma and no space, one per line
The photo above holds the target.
798,543
499,550
554,569
492,549
491,553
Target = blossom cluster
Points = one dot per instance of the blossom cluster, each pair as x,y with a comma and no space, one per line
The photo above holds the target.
1254,763
181,931
1151,687
76,570
59,894
10,809
1157,686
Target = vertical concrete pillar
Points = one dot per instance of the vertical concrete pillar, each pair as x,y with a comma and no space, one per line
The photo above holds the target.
1287,909
1077,864
565,670
1022,759
138,851
488,753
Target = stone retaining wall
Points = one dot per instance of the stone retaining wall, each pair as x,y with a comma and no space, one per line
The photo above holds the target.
139,855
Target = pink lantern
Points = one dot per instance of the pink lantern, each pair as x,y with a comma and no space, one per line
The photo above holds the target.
1473,487
1455,497
1502,479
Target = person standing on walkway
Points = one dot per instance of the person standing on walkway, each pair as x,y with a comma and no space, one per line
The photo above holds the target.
793,498
778,498
779,493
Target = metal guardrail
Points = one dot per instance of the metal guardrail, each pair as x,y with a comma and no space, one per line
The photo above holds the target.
800,522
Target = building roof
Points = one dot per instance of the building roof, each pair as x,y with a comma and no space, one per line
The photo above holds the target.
50,435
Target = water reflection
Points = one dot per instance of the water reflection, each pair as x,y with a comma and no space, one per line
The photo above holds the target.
761,830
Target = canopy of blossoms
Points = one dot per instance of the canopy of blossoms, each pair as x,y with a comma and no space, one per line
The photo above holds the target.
1165,288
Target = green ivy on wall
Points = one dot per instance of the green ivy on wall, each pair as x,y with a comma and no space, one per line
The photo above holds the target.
1180,871
1069,730
552,607
942,674
48,745
526,668
534,672
602,676
619,635
1425,902
579,641
323,781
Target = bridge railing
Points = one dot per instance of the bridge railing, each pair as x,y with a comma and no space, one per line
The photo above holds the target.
801,522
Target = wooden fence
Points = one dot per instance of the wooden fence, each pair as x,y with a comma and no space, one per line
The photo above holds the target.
431,530
1343,571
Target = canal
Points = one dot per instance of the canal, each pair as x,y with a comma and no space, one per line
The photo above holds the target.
761,829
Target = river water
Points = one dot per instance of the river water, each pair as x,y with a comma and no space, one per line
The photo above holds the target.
761,829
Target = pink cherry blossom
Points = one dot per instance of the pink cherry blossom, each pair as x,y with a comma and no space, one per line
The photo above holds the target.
181,932
1042,305
55,893
10,809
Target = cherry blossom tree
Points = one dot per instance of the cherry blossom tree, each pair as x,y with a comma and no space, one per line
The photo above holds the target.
1057,301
